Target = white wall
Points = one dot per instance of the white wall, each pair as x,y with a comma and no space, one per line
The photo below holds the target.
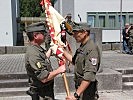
7,31
83,6
64,7
111,36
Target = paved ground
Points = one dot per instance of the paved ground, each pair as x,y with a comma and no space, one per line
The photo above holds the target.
14,63
110,59
125,95
115,59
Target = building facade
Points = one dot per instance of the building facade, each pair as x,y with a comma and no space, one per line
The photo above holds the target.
105,14
8,23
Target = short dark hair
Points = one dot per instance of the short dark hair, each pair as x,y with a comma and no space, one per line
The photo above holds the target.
82,30
88,31
30,36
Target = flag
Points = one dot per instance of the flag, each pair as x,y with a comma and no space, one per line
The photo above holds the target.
54,21
42,3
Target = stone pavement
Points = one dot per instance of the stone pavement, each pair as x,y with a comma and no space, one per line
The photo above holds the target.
111,59
124,95
12,63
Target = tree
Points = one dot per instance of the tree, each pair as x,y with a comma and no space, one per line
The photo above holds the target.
30,8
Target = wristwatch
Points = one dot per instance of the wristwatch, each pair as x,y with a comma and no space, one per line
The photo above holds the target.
76,96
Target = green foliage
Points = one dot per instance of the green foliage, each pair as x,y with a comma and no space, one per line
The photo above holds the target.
30,8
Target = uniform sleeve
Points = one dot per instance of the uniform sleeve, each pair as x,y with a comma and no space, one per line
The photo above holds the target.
90,68
38,63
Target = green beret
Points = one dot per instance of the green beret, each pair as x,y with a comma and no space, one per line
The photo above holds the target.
36,27
81,26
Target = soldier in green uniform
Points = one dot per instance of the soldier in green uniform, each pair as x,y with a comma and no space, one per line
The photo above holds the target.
38,66
86,61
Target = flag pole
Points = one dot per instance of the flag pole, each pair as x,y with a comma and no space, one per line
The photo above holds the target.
120,26
66,84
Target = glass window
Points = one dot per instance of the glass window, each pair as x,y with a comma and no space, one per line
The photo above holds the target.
131,19
91,20
112,21
123,20
108,19
101,21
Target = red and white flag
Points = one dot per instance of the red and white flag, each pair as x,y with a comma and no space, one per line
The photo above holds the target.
54,20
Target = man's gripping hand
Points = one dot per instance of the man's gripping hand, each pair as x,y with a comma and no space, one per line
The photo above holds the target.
57,50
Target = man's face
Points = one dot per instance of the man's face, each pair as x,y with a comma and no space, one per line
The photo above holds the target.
126,26
69,17
39,37
79,36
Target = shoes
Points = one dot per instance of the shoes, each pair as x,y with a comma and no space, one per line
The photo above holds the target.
123,52
129,52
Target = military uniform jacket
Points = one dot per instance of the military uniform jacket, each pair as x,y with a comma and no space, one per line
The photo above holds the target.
37,64
86,61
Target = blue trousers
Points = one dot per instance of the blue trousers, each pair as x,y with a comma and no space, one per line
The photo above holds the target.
125,47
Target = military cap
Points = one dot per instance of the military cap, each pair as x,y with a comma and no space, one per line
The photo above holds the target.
81,27
126,24
36,27
69,14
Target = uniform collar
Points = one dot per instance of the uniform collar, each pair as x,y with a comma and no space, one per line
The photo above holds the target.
38,47
82,45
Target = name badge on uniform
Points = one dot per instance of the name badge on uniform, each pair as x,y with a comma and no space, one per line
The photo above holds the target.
94,61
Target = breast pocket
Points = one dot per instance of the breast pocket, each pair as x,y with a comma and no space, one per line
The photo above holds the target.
79,63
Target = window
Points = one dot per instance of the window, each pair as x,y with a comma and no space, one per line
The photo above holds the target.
101,21
91,20
111,21
131,19
123,20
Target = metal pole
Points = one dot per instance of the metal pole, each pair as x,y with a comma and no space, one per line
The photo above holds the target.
61,12
120,26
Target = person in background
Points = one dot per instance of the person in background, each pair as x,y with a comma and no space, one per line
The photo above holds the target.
130,33
69,18
86,61
126,39
39,70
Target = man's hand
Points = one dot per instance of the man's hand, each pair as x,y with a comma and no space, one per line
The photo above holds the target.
61,69
127,37
57,50
71,97
53,48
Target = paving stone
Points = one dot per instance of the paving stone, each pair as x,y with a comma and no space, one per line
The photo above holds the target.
14,63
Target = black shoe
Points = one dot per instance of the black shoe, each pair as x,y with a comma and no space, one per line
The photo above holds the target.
130,53
123,52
